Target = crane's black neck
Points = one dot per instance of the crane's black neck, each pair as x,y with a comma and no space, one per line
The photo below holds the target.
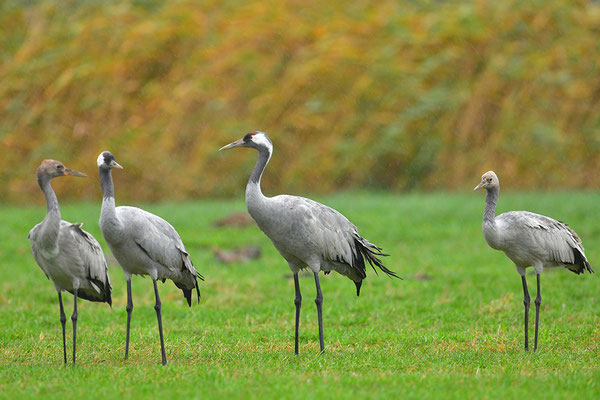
264,154
106,182
109,221
491,199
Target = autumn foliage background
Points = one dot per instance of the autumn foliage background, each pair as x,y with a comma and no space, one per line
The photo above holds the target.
394,95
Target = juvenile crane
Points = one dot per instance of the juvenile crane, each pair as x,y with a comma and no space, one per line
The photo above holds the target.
68,255
306,233
530,239
143,244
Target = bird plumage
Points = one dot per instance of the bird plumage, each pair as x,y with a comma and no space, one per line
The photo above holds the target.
69,256
306,233
77,255
309,234
149,245
527,238
143,244
530,239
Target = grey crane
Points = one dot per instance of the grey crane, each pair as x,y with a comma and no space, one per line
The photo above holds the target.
306,233
68,255
143,244
530,239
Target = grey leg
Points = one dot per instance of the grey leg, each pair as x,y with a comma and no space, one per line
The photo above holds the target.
63,320
74,319
538,301
129,309
157,307
526,302
319,303
298,303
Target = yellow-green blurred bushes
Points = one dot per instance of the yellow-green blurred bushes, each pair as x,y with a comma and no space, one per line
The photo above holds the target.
389,94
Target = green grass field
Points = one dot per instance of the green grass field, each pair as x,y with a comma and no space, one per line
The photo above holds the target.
452,329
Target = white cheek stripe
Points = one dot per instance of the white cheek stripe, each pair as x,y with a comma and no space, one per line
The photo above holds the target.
100,159
261,139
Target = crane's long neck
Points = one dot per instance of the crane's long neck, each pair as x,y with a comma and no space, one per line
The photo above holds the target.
51,223
253,191
108,213
491,199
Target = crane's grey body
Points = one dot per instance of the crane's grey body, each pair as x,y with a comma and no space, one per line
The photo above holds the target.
69,256
530,239
143,244
306,233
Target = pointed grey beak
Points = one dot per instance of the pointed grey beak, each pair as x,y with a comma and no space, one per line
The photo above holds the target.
481,184
115,164
69,171
237,143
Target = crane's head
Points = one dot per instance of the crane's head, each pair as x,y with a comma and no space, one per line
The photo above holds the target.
488,180
106,160
256,140
51,169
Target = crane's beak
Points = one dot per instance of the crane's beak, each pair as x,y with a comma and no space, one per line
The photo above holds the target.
237,143
69,171
115,164
481,184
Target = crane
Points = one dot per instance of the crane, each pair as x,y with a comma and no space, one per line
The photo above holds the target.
69,256
530,239
307,234
143,244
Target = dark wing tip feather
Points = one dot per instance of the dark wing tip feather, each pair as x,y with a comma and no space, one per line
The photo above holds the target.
105,292
91,295
198,292
196,284
358,285
187,293
370,252
581,263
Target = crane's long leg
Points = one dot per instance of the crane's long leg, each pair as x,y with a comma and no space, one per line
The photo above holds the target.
297,303
538,301
319,303
157,307
129,309
63,320
74,319
526,302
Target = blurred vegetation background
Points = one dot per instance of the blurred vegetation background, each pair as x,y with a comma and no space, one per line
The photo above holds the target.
396,95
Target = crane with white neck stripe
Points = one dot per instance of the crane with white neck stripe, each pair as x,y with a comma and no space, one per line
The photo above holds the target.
143,244
306,233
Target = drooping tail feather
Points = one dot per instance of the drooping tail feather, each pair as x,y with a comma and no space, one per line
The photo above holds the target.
581,263
197,287
187,292
92,295
370,252
190,272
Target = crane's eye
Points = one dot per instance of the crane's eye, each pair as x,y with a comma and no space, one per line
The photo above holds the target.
248,136
489,179
60,167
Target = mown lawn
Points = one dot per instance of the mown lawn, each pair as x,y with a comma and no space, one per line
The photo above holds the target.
452,329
